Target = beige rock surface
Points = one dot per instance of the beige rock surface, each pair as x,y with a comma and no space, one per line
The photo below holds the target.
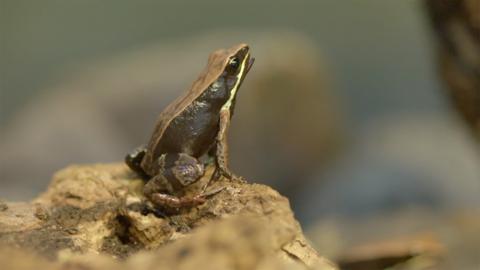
92,216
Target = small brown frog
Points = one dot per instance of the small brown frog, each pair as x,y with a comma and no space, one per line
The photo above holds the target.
193,126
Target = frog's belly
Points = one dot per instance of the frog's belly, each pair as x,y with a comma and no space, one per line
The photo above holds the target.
192,133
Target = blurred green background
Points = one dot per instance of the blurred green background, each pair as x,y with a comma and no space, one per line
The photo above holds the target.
378,50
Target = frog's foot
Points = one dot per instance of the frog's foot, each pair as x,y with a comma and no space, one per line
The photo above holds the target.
212,192
134,160
218,173
228,175
174,202
238,178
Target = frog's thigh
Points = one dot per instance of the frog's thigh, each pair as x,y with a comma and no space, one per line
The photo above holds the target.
221,146
180,169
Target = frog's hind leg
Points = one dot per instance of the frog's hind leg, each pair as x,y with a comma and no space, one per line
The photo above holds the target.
170,202
134,160
173,202
174,172
156,192
179,169
156,189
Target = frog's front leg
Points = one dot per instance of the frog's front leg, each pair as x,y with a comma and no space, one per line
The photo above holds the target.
221,155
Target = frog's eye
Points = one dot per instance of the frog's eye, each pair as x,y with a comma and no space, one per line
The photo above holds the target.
233,63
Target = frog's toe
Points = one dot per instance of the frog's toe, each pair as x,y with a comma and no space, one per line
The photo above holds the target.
238,178
233,177
212,192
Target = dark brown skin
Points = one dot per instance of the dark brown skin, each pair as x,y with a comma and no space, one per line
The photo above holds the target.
193,126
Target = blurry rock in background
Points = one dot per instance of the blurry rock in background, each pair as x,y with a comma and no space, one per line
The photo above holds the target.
457,26
402,162
421,252
410,175
407,176
424,239
286,123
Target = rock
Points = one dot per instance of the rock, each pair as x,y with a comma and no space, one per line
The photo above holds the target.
434,239
93,215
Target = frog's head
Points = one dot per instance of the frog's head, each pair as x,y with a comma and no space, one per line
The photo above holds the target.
231,66
237,61
237,66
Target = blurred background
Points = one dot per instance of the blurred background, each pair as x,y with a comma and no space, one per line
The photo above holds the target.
344,112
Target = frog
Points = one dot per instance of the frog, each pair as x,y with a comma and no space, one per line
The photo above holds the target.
192,127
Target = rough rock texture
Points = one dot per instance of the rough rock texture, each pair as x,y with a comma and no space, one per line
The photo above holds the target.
91,216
